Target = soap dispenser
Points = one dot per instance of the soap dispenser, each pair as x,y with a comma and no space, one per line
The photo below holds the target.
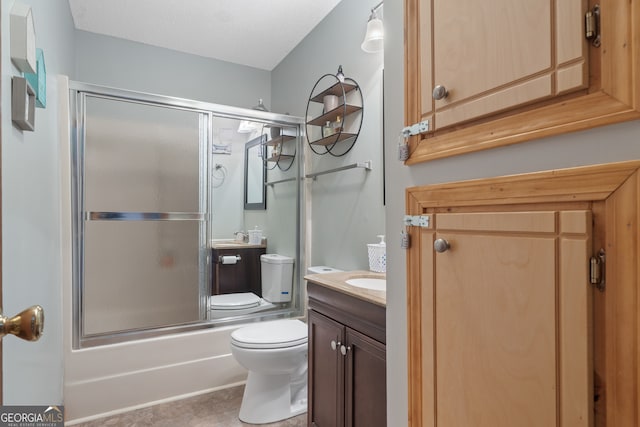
378,255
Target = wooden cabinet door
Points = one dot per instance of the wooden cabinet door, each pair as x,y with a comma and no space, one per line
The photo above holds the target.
366,383
326,372
244,276
498,54
509,343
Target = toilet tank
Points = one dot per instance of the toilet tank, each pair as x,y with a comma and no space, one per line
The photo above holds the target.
277,277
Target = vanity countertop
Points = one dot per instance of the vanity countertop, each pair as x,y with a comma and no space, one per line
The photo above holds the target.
338,282
233,244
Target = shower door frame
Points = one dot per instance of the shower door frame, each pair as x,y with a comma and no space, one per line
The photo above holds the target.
207,111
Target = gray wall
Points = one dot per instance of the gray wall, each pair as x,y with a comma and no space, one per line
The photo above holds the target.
31,213
123,64
346,209
602,145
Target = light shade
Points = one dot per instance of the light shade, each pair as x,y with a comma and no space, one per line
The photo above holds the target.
374,38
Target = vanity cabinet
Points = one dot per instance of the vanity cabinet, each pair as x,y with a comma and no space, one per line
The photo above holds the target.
347,360
492,73
243,276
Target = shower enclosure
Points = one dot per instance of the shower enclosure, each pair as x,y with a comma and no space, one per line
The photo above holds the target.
143,175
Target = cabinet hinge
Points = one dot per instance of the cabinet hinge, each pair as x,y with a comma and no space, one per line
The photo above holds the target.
417,220
592,25
596,270
416,129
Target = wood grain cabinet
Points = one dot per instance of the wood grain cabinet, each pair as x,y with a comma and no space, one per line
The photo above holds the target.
490,56
347,360
244,276
497,72
523,300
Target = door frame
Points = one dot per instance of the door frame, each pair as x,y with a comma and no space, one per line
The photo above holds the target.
1,359
613,192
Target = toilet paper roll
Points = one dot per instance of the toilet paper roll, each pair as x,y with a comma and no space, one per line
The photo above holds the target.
230,259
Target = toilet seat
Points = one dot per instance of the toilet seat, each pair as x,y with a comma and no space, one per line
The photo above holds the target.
237,301
272,334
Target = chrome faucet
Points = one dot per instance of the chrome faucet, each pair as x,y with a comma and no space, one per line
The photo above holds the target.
241,236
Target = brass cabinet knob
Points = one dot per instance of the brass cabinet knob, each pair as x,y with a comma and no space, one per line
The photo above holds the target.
27,325
440,92
441,245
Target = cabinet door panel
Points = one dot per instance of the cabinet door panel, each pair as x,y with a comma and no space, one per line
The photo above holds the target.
495,55
495,345
244,276
511,332
366,384
326,372
479,46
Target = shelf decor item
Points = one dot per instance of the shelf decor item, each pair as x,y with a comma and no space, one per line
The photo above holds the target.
334,111
38,80
23,104
23,38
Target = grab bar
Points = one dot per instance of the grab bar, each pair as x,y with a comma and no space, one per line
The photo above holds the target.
366,165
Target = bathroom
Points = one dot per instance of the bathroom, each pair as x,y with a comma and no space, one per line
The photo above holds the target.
200,360
48,372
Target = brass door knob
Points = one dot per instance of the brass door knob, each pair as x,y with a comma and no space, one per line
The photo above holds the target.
27,325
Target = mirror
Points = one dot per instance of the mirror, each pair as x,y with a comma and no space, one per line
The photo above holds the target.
255,174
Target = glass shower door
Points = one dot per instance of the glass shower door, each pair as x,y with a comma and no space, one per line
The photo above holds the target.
141,171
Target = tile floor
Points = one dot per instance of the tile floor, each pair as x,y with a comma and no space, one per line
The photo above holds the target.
217,409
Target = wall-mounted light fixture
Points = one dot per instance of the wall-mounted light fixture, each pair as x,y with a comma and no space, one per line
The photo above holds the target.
247,126
374,37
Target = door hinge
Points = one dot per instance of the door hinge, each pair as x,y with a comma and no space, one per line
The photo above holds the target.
592,25
596,270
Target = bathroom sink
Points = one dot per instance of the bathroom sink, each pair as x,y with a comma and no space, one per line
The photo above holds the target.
369,283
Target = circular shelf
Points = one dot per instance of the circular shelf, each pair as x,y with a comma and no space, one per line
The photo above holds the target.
274,152
334,129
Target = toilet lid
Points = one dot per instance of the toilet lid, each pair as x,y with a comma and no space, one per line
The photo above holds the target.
272,334
236,301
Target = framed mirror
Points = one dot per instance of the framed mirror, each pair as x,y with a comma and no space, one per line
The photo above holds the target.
255,174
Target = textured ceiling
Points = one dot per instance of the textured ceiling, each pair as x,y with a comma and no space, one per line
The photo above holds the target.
256,33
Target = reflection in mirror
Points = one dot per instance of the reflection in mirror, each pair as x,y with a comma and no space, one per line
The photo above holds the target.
255,174
192,210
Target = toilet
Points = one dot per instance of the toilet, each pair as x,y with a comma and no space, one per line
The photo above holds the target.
275,354
277,279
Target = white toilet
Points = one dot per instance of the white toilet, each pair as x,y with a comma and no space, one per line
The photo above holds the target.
275,354
277,279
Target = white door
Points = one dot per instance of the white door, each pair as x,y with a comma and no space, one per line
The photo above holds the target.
32,371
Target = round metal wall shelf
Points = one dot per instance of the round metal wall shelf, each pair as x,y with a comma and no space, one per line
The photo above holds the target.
334,114
276,151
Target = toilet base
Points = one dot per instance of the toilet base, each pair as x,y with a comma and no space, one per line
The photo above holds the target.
271,398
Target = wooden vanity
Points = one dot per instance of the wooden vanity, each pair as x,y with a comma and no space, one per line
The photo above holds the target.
244,276
347,351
